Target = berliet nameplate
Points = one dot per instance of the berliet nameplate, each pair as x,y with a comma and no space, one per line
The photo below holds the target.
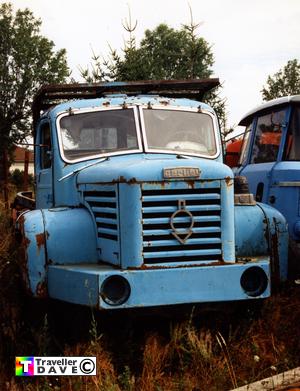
182,172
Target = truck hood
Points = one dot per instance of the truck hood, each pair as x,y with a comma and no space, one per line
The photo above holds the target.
148,168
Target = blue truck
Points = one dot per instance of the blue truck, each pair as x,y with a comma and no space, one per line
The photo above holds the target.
134,206
270,159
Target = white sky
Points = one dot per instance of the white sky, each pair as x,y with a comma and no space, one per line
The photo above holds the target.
250,39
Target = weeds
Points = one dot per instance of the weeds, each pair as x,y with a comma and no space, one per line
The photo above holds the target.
178,356
222,343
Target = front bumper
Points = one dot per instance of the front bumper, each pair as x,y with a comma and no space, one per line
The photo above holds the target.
81,284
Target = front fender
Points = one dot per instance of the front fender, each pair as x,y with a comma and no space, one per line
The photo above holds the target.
33,251
55,236
278,240
262,230
250,228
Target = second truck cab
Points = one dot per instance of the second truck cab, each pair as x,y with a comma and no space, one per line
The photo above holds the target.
270,159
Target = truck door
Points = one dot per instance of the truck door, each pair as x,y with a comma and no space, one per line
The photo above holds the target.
265,149
43,164
285,189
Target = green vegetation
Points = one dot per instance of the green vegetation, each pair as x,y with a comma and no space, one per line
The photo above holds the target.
208,352
17,179
285,82
164,53
27,61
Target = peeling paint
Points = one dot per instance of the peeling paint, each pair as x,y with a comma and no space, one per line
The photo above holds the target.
229,181
179,266
275,269
164,102
40,240
41,289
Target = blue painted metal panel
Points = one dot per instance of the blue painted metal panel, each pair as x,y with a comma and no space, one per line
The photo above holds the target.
103,204
81,287
197,236
33,266
55,236
148,168
174,242
258,173
265,233
191,208
154,287
166,220
131,225
251,231
182,253
285,186
227,221
277,235
183,196
70,236
199,230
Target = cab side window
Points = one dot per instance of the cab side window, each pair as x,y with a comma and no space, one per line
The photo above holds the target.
46,147
245,146
292,144
268,137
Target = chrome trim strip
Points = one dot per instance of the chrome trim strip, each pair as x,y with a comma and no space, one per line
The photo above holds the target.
289,184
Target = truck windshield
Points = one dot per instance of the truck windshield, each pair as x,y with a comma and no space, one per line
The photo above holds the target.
180,131
97,133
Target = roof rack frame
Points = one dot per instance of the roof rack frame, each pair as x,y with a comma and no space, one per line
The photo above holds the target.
52,94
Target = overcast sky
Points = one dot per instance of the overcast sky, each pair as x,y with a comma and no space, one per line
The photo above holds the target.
250,39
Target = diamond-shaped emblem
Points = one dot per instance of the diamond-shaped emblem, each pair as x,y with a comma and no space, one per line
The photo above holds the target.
182,234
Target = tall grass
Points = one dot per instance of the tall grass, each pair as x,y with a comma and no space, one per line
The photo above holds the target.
200,353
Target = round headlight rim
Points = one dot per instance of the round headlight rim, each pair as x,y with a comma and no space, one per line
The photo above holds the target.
245,279
108,300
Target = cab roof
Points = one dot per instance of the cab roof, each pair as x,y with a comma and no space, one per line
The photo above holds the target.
125,101
265,106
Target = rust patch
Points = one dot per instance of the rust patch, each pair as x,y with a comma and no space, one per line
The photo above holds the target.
23,256
25,242
149,267
23,259
132,181
122,179
41,289
40,240
275,272
191,184
228,181
272,240
164,102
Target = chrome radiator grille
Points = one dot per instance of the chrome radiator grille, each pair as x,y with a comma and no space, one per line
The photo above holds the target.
182,224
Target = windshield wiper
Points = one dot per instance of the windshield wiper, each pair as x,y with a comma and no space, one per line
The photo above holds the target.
82,168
